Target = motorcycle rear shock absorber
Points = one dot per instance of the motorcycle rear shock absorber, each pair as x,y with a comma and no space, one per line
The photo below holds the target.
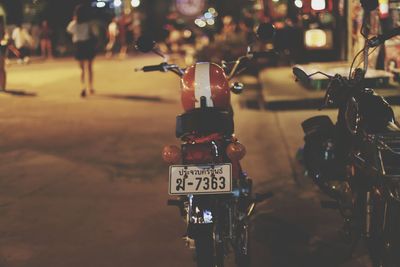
368,214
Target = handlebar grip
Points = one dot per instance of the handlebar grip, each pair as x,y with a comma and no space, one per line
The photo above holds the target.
383,37
153,68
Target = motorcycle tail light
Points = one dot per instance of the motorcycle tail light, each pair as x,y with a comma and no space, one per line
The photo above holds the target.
199,153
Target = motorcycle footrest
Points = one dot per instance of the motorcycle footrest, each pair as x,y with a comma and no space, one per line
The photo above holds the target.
329,204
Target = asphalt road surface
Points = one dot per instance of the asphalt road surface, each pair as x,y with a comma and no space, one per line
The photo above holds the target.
82,182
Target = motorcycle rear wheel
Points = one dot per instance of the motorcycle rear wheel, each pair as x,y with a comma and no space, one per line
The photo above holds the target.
384,247
209,252
242,249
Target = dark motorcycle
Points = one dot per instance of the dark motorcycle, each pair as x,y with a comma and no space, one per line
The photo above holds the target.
357,160
214,194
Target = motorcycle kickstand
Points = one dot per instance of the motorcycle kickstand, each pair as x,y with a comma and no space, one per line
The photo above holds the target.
257,199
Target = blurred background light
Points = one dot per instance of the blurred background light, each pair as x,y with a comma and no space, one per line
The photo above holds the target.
210,21
208,15
187,34
117,3
298,3
100,4
315,38
318,4
135,3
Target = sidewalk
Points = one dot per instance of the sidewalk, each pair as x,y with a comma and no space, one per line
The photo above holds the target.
280,91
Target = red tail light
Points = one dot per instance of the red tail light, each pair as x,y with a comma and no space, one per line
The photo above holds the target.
201,153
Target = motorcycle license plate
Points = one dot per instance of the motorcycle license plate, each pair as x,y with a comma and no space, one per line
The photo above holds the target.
200,179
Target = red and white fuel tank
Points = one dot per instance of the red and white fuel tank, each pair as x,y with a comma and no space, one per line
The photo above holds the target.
208,80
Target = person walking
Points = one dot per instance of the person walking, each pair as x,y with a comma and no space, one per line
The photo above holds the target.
45,40
124,36
23,42
112,33
3,53
85,46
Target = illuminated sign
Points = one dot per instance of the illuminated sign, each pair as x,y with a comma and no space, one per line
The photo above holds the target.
318,39
318,5
384,8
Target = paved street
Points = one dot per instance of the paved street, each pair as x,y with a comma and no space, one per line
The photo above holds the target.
82,182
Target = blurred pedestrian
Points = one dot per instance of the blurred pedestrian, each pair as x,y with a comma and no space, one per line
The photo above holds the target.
246,26
125,34
3,53
112,33
22,42
46,47
85,45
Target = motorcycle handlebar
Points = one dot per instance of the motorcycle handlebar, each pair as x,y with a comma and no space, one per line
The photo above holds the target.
164,67
390,34
159,67
380,39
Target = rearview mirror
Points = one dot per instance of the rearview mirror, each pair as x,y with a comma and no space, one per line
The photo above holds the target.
301,75
266,31
237,88
145,44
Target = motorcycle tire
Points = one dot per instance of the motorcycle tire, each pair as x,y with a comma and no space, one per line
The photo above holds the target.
209,253
384,247
242,250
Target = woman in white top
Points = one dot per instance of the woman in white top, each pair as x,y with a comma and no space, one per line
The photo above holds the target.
84,42
23,42
112,36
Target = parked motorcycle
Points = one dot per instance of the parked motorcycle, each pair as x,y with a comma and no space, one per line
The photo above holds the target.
214,195
356,161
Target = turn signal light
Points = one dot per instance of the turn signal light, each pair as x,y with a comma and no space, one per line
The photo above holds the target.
171,154
235,151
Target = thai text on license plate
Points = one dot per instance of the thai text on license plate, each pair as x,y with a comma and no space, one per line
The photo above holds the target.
200,179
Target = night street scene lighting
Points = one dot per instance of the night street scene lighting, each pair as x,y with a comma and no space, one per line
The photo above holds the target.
204,133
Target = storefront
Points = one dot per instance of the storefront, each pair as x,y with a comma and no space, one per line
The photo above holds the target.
381,21
392,47
320,26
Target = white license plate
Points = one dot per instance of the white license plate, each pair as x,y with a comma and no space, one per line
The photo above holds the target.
200,179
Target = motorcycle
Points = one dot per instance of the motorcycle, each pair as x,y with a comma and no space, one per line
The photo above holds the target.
214,195
356,161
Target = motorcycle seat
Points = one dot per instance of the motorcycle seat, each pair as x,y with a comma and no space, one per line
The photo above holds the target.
205,121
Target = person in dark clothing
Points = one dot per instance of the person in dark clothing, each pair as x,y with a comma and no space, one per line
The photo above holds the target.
45,40
82,37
